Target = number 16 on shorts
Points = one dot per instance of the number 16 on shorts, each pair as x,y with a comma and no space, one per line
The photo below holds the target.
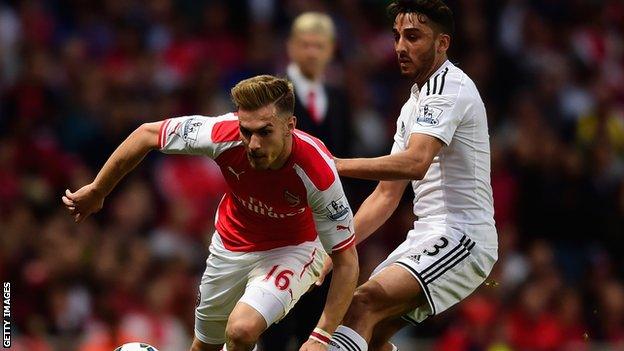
281,278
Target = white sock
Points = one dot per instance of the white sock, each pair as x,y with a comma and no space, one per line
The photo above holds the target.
347,339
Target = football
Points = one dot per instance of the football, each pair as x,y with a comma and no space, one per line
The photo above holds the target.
136,346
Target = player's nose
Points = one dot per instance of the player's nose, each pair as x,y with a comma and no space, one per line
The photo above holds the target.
254,143
400,47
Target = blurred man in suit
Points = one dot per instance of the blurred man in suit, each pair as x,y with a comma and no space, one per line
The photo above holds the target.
323,112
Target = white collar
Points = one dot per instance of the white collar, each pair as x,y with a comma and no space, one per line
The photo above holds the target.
301,82
415,90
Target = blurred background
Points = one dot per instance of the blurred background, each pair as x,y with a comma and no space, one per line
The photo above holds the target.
77,76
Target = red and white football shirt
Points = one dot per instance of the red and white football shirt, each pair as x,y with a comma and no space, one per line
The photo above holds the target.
266,209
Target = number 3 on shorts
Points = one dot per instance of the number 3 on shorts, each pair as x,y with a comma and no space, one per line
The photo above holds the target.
282,279
437,247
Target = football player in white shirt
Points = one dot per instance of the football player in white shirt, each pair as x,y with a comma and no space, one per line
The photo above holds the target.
441,146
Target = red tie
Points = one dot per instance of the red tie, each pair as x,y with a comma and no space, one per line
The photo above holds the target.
312,106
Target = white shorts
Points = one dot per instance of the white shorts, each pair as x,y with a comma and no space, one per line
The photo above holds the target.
447,264
270,281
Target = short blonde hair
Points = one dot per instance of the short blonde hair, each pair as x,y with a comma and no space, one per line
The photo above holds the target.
314,22
259,91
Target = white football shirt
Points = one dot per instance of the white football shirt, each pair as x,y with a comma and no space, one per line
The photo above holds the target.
456,189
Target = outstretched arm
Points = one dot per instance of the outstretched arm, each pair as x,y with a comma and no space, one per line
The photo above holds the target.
409,164
90,198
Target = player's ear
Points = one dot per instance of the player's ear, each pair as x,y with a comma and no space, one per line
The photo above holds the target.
291,124
444,42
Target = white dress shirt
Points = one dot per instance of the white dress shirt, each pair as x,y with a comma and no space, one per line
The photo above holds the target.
303,86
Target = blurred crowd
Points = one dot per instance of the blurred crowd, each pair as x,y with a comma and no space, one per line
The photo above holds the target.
76,77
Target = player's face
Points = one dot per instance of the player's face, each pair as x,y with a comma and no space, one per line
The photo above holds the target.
311,52
416,45
264,135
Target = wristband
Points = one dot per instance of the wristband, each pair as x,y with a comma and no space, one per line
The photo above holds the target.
321,336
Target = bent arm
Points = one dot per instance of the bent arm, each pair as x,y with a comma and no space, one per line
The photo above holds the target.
409,164
341,289
127,156
377,208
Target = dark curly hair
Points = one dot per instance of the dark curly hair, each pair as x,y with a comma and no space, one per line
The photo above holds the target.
440,15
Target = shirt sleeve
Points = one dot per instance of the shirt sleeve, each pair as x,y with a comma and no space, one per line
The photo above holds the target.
399,141
332,214
439,115
198,135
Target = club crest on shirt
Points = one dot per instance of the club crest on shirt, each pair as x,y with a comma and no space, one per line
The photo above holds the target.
338,210
190,129
428,116
292,199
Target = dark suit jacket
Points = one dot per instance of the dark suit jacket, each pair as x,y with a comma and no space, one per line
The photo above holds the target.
335,130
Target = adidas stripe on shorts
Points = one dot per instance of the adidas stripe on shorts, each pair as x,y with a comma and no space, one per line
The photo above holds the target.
447,263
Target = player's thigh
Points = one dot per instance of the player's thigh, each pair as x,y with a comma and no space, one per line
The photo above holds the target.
222,285
282,277
390,293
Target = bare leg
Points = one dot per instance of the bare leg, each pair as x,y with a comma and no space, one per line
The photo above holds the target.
391,293
382,333
244,327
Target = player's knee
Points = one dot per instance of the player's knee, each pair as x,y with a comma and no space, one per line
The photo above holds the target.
363,306
242,333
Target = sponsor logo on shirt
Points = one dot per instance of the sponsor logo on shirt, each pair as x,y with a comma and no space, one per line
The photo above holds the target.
261,208
190,129
428,116
237,174
175,130
347,227
338,210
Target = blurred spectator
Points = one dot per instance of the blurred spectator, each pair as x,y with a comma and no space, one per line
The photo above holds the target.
321,109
